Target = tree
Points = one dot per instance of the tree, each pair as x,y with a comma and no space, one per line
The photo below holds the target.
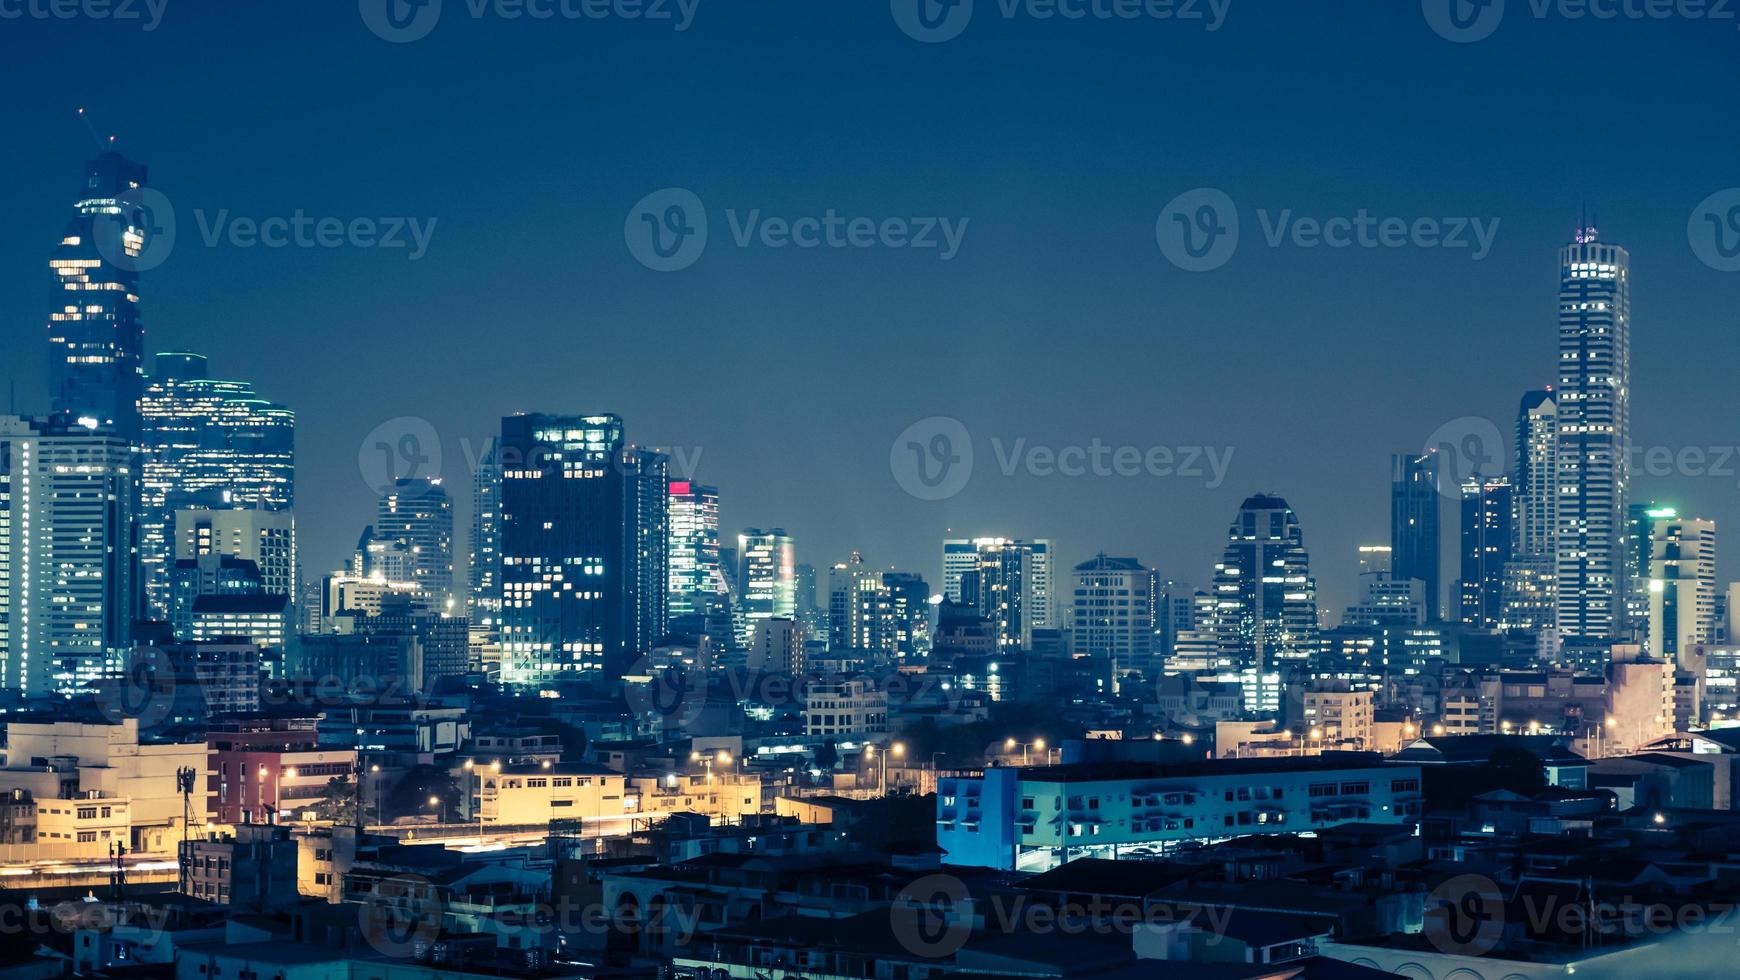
337,801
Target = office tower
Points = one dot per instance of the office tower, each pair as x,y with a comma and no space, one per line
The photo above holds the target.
962,556
384,559
1638,548
443,643
95,331
810,613
1179,609
860,610
696,583
776,645
766,578
483,570
909,600
265,537
1386,601
209,574
1682,587
1414,523
1487,508
67,554
1529,597
1113,611
585,533
418,512
1265,596
205,441
1594,426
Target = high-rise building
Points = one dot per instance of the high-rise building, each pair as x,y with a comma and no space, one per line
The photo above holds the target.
205,441
1529,597
95,331
483,570
1414,504
1682,587
418,512
585,533
1265,595
696,585
1594,429
1638,548
909,598
67,554
267,538
766,578
860,610
776,645
1487,508
1113,611
1376,559
962,556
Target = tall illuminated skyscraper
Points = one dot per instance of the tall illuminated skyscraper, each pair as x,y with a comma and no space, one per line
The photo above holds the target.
766,578
1530,601
1265,596
1486,541
1682,587
1414,504
418,513
585,546
67,587
483,570
207,442
96,334
1594,433
696,584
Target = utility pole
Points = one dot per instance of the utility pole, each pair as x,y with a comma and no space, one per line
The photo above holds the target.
184,779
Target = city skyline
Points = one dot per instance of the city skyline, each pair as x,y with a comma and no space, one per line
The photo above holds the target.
699,323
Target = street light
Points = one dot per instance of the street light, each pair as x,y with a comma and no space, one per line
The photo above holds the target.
440,808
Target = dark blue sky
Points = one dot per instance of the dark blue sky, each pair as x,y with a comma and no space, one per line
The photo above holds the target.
791,370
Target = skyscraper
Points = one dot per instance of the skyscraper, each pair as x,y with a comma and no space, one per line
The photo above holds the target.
860,610
67,554
1265,595
1638,548
1487,508
418,512
766,578
95,330
206,442
1682,587
1529,600
962,555
1594,432
696,584
585,538
483,570
1113,612
1414,524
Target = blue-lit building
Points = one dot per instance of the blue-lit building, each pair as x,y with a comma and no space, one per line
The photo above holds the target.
1414,506
585,540
1035,817
208,444
95,330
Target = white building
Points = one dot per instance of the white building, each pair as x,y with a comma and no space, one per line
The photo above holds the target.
67,590
777,646
109,764
1682,588
855,707
265,537
1112,613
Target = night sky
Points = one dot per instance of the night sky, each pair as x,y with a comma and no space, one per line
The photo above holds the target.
791,371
